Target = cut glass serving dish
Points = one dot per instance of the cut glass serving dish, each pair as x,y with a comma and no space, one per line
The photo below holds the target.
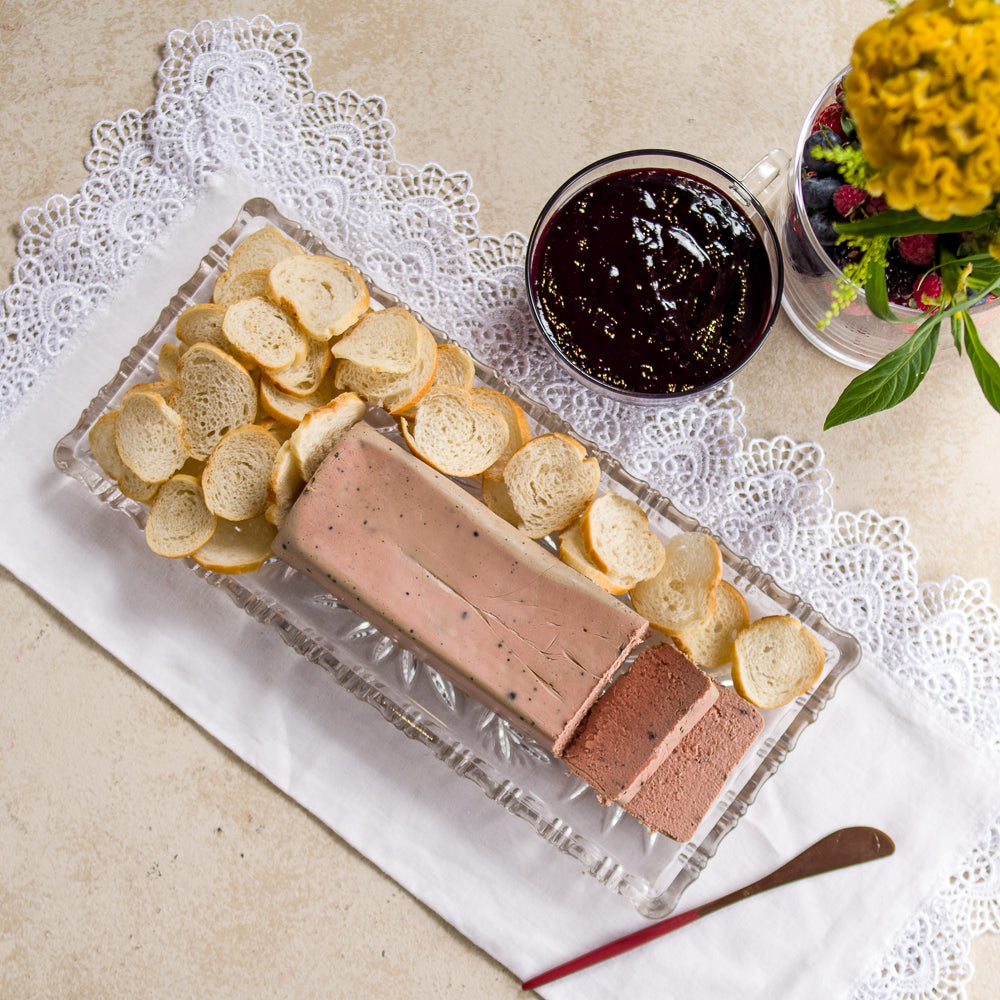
650,870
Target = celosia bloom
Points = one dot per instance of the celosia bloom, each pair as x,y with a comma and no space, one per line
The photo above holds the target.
924,91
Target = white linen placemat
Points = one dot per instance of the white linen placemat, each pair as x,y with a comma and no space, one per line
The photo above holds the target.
877,755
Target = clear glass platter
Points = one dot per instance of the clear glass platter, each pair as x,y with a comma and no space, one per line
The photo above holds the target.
651,871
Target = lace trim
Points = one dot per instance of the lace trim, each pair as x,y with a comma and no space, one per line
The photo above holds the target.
237,93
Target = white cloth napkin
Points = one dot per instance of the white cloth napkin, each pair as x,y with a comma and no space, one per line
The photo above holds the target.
876,756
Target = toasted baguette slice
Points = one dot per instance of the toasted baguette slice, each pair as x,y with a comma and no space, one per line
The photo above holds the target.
455,366
149,436
518,430
384,340
618,539
216,395
236,475
234,287
289,408
682,595
261,250
395,393
101,438
304,378
237,547
497,498
710,644
573,552
161,388
775,659
320,430
454,433
551,480
263,332
280,431
179,523
202,324
167,361
284,485
325,295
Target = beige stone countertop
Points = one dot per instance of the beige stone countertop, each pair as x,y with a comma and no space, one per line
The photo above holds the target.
128,829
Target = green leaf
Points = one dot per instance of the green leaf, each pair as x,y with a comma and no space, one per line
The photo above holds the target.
984,273
877,295
983,364
957,330
912,223
890,380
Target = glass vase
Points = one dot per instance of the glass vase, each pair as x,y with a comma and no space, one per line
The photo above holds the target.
855,337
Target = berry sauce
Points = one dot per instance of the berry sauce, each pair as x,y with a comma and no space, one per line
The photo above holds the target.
652,281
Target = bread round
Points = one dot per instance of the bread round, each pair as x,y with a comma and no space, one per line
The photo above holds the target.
237,547
279,430
682,594
289,408
710,644
325,295
101,438
551,480
617,536
149,436
231,287
518,429
261,250
263,332
384,340
775,659
216,395
304,378
284,485
236,475
497,498
202,324
573,552
453,433
320,430
397,394
163,388
179,523
168,360
454,366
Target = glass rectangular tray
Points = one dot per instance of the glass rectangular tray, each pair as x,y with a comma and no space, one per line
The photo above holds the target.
650,870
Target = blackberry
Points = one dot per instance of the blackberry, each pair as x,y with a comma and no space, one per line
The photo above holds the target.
899,277
843,254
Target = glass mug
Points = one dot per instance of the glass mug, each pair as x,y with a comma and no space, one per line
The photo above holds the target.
654,274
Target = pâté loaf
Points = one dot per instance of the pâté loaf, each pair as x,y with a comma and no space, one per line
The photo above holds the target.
497,614
638,722
680,792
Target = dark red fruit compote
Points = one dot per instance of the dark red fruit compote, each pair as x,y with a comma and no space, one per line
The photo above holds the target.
652,281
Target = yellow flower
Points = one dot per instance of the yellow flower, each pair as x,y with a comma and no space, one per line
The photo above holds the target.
924,92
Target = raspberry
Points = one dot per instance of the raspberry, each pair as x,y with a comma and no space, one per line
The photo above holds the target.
847,198
829,118
917,249
876,205
927,292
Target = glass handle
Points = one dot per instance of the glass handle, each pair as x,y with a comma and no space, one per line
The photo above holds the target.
763,178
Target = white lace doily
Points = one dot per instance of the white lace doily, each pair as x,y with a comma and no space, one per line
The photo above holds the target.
237,93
